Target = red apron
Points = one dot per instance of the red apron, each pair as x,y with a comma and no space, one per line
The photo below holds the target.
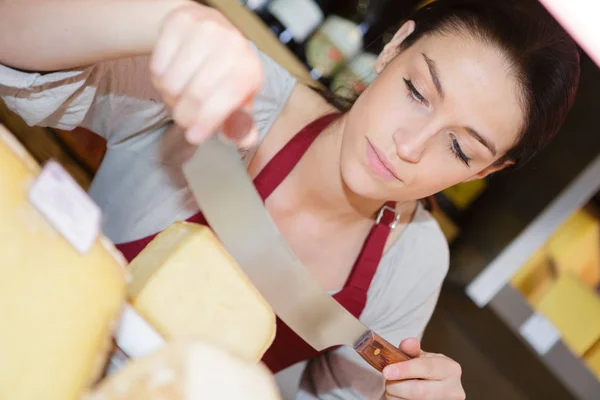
288,348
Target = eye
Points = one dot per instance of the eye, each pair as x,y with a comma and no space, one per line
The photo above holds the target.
457,151
413,93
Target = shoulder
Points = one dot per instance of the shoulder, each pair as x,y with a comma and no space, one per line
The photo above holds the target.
407,282
269,102
422,241
427,234
282,108
417,263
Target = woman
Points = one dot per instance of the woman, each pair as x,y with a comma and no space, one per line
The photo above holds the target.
464,89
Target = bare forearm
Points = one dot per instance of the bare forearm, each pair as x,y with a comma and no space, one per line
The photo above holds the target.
59,34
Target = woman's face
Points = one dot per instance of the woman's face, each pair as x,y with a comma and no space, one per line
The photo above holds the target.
441,112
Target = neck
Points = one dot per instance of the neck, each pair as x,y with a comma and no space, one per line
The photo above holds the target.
319,184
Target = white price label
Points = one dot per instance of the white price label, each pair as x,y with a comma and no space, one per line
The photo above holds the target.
540,333
66,206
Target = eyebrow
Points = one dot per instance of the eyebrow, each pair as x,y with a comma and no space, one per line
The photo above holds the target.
435,77
489,145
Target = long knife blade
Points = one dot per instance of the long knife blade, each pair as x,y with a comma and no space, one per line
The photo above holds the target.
234,210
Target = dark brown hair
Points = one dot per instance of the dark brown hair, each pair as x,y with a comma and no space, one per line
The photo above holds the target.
542,56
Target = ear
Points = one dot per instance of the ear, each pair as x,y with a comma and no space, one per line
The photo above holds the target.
390,51
490,170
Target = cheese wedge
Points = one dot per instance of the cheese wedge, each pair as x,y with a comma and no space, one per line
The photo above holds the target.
535,277
57,305
575,247
187,286
575,311
188,370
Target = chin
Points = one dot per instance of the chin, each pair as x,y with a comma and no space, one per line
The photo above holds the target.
361,182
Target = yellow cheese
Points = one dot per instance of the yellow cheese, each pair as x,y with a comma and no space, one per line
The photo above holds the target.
190,370
465,193
592,358
57,306
575,246
535,277
575,311
187,285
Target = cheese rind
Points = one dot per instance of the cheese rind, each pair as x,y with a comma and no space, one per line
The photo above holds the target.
187,286
188,370
57,306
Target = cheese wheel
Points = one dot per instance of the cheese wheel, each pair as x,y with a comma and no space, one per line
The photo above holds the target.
187,286
57,305
188,370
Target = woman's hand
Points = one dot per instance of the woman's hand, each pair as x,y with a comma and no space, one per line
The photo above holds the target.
427,376
207,74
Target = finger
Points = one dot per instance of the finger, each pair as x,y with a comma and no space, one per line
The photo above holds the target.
231,95
179,81
189,59
429,368
240,127
200,91
167,45
214,112
169,41
411,346
415,390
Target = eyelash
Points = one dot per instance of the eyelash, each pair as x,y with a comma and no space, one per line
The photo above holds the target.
413,94
457,151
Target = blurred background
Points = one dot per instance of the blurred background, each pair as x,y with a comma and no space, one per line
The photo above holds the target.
520,309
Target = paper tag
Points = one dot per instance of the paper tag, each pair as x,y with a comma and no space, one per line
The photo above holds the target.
135,336
540,333
66,206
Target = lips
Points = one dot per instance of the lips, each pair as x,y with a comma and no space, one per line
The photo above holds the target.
380,164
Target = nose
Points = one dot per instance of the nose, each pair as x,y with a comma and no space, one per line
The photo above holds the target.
410,146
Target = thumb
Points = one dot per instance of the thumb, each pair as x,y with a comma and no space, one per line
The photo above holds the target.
411,346
240,128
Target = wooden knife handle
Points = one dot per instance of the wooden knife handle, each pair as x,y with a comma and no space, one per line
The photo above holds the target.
379,352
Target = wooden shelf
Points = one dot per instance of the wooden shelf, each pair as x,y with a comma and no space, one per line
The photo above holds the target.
44,144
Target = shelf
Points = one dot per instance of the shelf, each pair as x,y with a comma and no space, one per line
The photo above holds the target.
515,312
497,274
493,288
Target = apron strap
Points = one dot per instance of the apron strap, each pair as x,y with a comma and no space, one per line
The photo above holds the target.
279,167
369,257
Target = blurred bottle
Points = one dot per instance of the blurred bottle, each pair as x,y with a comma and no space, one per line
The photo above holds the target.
257,6
359,71
292,21
342,36
355,76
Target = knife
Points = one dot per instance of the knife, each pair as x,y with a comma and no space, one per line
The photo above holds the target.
234,210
